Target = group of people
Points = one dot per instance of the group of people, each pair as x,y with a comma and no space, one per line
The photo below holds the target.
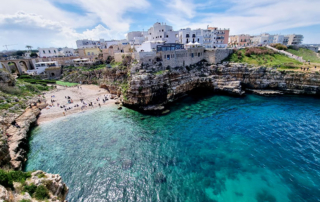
84,104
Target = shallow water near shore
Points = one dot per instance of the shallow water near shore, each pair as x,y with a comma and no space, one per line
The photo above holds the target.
216,148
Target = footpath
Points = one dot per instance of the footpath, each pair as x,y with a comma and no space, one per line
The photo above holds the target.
290,55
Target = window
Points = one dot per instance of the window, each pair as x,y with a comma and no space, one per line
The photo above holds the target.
193,35
187,35
162,30
88,53
192,55
198,54
198,39
92,53
187,40
44,52
168,57
54,51
49,51
167,36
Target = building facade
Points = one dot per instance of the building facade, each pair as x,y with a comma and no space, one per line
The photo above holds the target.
212,37
267,39
55,52
293,39
239,40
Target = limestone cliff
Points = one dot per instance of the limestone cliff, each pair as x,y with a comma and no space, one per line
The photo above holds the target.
151,88
53,188
17,136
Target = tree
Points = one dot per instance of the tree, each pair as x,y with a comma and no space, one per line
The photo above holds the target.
28,47
33,54
20,53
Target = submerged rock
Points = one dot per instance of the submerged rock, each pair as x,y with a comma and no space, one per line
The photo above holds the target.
127,164
160,178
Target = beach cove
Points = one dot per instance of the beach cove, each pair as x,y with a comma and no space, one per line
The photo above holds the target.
217,148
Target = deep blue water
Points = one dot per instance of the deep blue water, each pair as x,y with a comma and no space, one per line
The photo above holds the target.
218,148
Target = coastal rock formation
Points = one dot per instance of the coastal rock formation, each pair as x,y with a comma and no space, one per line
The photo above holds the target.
6,78
150,88
17,135
56,188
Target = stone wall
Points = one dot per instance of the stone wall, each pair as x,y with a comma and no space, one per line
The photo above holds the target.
53,73
215,56
181,58
119,56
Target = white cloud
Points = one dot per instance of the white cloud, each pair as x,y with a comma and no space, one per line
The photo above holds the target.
40,23
247,16
32,29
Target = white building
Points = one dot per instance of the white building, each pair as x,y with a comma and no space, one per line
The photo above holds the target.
148,46
55,52
159,33
212,37
48,52
137,37
162,32
267,39
67,52
293,39
40,67
102,44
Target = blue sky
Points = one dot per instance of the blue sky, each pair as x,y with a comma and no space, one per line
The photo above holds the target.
59,23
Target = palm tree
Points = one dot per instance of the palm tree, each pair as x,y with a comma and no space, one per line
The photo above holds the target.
28,47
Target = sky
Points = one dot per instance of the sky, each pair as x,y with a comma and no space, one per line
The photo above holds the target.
59,23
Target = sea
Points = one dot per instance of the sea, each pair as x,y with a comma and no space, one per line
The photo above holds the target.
209,149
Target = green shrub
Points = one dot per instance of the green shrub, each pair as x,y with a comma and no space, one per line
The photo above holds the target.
41,193
19,176
25,200
31,189
5,179
41,175
10,90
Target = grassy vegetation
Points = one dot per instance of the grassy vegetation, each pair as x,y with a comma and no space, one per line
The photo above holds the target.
306,54
89,68
8,177
31,189
160,72
41,193
36,80
279,46
18,95
263,56
62,83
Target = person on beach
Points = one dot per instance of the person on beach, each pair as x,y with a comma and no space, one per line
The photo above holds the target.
99,105
64,113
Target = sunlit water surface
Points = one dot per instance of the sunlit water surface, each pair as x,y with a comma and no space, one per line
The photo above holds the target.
217,148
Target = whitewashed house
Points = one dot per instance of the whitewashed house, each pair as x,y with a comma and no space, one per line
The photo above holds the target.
40,67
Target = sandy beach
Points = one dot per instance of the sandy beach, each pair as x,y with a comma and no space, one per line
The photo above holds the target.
89,93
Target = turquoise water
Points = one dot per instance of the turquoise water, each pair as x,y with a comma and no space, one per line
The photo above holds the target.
217,148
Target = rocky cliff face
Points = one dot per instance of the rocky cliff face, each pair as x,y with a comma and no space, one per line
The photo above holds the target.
17,136
57,190
150,89
6,78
